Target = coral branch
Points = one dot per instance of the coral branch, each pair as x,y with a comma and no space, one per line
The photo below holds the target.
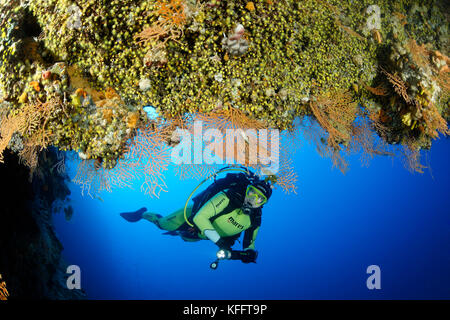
399,85
4,294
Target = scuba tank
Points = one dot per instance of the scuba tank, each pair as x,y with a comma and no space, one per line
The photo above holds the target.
234,184
232,181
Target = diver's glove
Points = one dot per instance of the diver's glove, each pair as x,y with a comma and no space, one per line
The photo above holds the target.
215,237
248,256
223,244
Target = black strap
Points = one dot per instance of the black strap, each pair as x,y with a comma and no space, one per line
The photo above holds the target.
255,218
231,181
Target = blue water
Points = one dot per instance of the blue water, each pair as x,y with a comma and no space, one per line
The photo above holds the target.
313,245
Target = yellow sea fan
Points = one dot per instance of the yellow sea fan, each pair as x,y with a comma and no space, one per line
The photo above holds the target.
4,294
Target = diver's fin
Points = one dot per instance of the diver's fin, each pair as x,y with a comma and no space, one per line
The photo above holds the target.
133,216
171,233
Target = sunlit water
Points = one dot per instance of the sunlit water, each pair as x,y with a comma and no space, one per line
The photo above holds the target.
313,245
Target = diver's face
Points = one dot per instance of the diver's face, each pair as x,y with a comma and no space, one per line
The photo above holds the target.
254,198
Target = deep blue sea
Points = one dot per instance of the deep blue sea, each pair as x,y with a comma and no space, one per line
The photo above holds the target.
316,244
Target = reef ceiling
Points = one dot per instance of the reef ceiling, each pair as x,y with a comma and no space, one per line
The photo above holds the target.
77,74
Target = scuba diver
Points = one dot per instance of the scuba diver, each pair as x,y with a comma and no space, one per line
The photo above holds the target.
228,207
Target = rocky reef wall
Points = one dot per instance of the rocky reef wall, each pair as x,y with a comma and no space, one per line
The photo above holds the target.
30,253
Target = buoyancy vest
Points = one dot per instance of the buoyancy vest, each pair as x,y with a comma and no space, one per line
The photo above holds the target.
234,186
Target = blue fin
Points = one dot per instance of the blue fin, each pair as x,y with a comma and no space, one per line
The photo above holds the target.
133,216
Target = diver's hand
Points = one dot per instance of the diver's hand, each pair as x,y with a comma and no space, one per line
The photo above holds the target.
222,244
214,236
248,256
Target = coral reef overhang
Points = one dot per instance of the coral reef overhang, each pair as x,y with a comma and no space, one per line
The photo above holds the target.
77,74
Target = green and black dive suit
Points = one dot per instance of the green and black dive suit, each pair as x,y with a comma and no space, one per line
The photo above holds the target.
223,211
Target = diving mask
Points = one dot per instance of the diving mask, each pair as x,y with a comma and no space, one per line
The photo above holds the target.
255,197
